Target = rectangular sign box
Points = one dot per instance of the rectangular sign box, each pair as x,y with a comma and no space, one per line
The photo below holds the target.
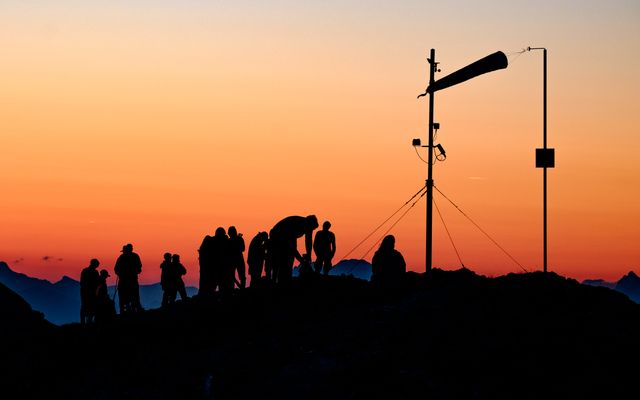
545,158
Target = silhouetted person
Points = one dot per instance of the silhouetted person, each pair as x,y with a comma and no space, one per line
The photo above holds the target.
256,256
215,268
89,278
324,245
387,266
236,257
177,272
128,267
208,282
165,279
105,307
283,247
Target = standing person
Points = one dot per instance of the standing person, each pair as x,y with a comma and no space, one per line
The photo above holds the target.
223,272
215,270
256,256
89,278
387,266
283,246
177,272
324,245
207,283
128,267
236,248
105,309
165,279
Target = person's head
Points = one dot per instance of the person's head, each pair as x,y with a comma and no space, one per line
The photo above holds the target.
326,225
388,243
175,258
220,232
263,236
104,274
94,263
127,248
312,222
232,231
167,256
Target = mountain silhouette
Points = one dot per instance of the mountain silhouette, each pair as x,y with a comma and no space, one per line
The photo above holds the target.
60,301
630,285
449,335
18,320
360,269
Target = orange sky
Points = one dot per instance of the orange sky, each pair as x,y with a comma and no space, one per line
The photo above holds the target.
156,123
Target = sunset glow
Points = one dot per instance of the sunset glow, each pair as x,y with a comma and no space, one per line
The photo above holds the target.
155,123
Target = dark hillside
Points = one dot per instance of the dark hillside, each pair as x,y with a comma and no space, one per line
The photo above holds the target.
454,335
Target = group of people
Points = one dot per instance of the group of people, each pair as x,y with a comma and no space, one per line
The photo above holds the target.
273,253
221,261
222,265
171,279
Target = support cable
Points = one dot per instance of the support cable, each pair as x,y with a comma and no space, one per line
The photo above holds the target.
482,230
395,223
448,234
384,222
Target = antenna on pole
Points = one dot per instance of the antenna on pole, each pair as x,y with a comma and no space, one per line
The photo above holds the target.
492,62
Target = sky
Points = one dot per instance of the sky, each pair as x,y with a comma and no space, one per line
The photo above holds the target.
155,122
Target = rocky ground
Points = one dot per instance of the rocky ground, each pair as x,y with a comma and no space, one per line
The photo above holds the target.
450,335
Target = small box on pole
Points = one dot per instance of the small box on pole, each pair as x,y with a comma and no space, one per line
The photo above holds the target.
545,158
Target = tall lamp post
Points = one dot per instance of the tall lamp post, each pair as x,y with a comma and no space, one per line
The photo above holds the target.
492,62
545,157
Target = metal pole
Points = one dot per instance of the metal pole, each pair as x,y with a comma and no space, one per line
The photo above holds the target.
432,69
544,172
548,158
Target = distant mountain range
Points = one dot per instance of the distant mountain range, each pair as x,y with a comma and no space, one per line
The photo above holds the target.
628,284
60,301
360,269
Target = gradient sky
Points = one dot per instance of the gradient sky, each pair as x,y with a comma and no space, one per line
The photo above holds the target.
156,122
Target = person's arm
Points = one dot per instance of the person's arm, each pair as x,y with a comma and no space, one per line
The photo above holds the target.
308,243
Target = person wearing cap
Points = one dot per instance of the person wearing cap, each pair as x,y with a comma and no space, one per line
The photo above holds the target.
324,245
105,308
283,244
128,267
88,284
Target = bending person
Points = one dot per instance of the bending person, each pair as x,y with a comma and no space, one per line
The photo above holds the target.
283,246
